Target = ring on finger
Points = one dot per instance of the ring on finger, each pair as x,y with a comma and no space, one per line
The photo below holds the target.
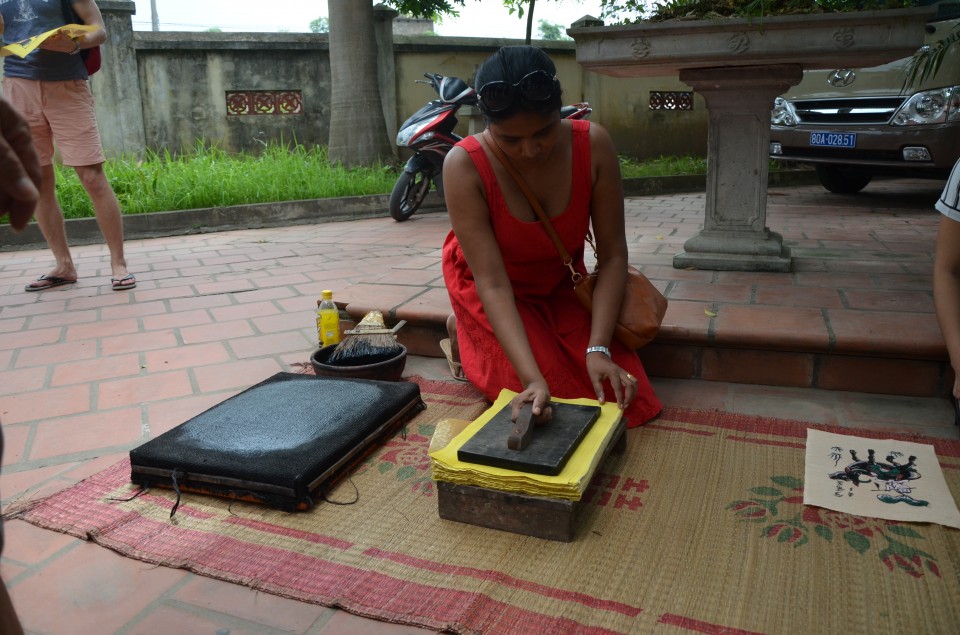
631,377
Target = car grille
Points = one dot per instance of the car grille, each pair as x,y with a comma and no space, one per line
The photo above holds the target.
867,110
799,154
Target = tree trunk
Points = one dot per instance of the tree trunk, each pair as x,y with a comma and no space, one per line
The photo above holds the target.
358,133
530,21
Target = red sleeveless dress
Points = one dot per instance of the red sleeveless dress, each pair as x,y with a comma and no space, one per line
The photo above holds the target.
557,326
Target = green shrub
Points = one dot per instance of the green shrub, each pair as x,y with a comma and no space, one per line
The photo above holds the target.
632,11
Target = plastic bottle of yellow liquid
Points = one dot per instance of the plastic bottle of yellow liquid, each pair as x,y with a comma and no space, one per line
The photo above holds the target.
328,320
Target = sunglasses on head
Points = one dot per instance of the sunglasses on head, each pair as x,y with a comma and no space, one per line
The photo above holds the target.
536,86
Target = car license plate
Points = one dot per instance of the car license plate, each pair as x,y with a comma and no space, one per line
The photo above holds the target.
833,139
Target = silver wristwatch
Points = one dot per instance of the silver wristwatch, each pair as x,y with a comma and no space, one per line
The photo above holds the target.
598,349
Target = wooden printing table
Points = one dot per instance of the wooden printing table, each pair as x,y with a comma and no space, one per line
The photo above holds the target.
537,516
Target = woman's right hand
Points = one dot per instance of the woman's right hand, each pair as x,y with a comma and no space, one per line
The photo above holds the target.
536,393
601,368
60,42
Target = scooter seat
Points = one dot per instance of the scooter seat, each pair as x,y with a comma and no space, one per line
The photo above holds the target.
453,89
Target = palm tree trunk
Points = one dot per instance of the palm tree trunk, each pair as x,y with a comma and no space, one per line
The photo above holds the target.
358,133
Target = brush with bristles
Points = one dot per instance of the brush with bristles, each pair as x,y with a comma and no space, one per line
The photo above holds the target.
369,342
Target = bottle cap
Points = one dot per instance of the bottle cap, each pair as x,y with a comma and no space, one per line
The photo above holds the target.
327,294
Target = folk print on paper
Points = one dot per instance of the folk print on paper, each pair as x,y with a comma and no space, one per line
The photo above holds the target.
879,478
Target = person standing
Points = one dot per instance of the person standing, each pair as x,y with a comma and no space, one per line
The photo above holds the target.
946,274
49,87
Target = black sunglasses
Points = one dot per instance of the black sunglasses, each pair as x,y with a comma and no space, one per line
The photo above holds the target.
536,86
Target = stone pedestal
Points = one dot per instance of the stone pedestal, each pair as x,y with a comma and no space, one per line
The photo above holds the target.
740,66
734,235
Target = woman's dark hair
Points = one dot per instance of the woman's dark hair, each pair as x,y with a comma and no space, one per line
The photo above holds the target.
510,64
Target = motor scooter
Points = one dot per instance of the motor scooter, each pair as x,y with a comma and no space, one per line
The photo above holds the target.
429,132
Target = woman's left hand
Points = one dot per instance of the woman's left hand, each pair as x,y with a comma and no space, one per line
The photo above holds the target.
601,368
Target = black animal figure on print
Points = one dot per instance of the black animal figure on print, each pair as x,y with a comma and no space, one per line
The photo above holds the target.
888,477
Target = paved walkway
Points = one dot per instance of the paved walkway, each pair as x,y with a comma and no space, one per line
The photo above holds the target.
86,373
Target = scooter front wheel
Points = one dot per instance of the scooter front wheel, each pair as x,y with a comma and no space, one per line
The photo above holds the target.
408,194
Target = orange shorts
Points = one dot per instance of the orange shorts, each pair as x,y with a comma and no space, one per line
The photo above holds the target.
58,113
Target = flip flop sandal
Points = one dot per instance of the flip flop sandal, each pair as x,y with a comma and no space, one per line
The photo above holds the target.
52,281
124,283
455,368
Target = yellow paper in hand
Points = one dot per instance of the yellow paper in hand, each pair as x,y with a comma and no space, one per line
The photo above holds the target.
25,47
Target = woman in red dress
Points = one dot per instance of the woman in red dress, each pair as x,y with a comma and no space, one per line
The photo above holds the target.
516,322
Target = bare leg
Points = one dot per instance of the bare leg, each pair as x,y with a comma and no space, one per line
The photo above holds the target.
50,220
107,210
453,352
452,334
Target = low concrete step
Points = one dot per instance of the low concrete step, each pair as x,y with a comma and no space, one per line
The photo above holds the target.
875,363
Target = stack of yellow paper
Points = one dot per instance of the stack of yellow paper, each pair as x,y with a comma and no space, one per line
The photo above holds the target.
569,484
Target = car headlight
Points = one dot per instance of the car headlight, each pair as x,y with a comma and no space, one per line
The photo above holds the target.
783,113
930,106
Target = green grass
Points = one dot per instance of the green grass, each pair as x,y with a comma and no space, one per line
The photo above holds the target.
663,166
210,177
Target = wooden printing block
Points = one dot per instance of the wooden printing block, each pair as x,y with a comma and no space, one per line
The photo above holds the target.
548,446
537,516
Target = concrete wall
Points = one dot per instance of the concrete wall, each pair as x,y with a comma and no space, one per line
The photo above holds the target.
118,99
165,90
184,79
623,107
620,105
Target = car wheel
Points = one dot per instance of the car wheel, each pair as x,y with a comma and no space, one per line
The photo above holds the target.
842,180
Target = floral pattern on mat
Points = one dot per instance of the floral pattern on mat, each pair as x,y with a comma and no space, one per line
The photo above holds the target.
405,456
622,493
782,514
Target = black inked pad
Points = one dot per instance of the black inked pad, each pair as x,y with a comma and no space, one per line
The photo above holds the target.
278,441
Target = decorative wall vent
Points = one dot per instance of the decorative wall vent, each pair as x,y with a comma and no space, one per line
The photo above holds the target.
264,102
671,100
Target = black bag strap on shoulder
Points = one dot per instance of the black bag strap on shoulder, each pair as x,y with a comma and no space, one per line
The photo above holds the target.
90,56
69,15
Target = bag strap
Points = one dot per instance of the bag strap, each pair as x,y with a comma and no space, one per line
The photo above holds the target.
534,204
70,15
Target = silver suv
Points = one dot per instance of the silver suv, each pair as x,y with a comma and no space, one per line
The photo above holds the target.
854,123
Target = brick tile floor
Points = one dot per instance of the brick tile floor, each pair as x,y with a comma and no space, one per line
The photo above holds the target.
87,373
